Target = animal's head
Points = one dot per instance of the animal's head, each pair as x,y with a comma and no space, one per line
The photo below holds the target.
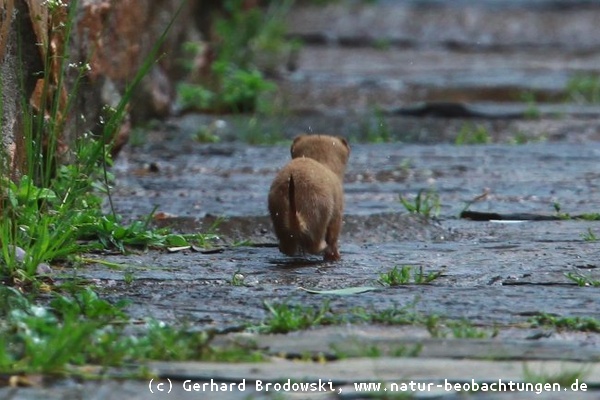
332,151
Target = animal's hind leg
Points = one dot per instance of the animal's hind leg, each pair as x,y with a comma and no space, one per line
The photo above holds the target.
313,237
289,245
331,238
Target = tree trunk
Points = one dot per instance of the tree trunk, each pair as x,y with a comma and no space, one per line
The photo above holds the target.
112,37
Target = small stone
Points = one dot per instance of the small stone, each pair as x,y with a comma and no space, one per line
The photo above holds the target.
19,253
43,269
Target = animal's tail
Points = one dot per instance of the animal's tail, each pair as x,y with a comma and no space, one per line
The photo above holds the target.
295,220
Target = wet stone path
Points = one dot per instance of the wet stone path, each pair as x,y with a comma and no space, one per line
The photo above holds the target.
493,272
496,274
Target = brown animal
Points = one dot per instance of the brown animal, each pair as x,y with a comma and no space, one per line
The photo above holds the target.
306,199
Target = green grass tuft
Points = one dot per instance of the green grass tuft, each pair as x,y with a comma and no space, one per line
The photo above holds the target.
407,275
582,324
284,318
582,280
426,203
471,134
583,89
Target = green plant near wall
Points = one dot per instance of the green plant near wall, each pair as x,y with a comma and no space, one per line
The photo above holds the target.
54,211
194,96
250,37
66,219
251,42
36,211
241,89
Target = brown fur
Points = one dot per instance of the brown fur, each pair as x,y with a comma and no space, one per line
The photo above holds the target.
306,199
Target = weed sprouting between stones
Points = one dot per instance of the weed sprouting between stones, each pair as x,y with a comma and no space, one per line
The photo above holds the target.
471,134
237,279
284,317
407,275
388,316
565,378
360,349
457,329
582,324
582,280
375,128
464,329
426,203
589,236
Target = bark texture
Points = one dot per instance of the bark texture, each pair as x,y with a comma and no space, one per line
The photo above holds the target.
113,37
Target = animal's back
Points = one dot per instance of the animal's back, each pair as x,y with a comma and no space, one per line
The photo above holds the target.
317,190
